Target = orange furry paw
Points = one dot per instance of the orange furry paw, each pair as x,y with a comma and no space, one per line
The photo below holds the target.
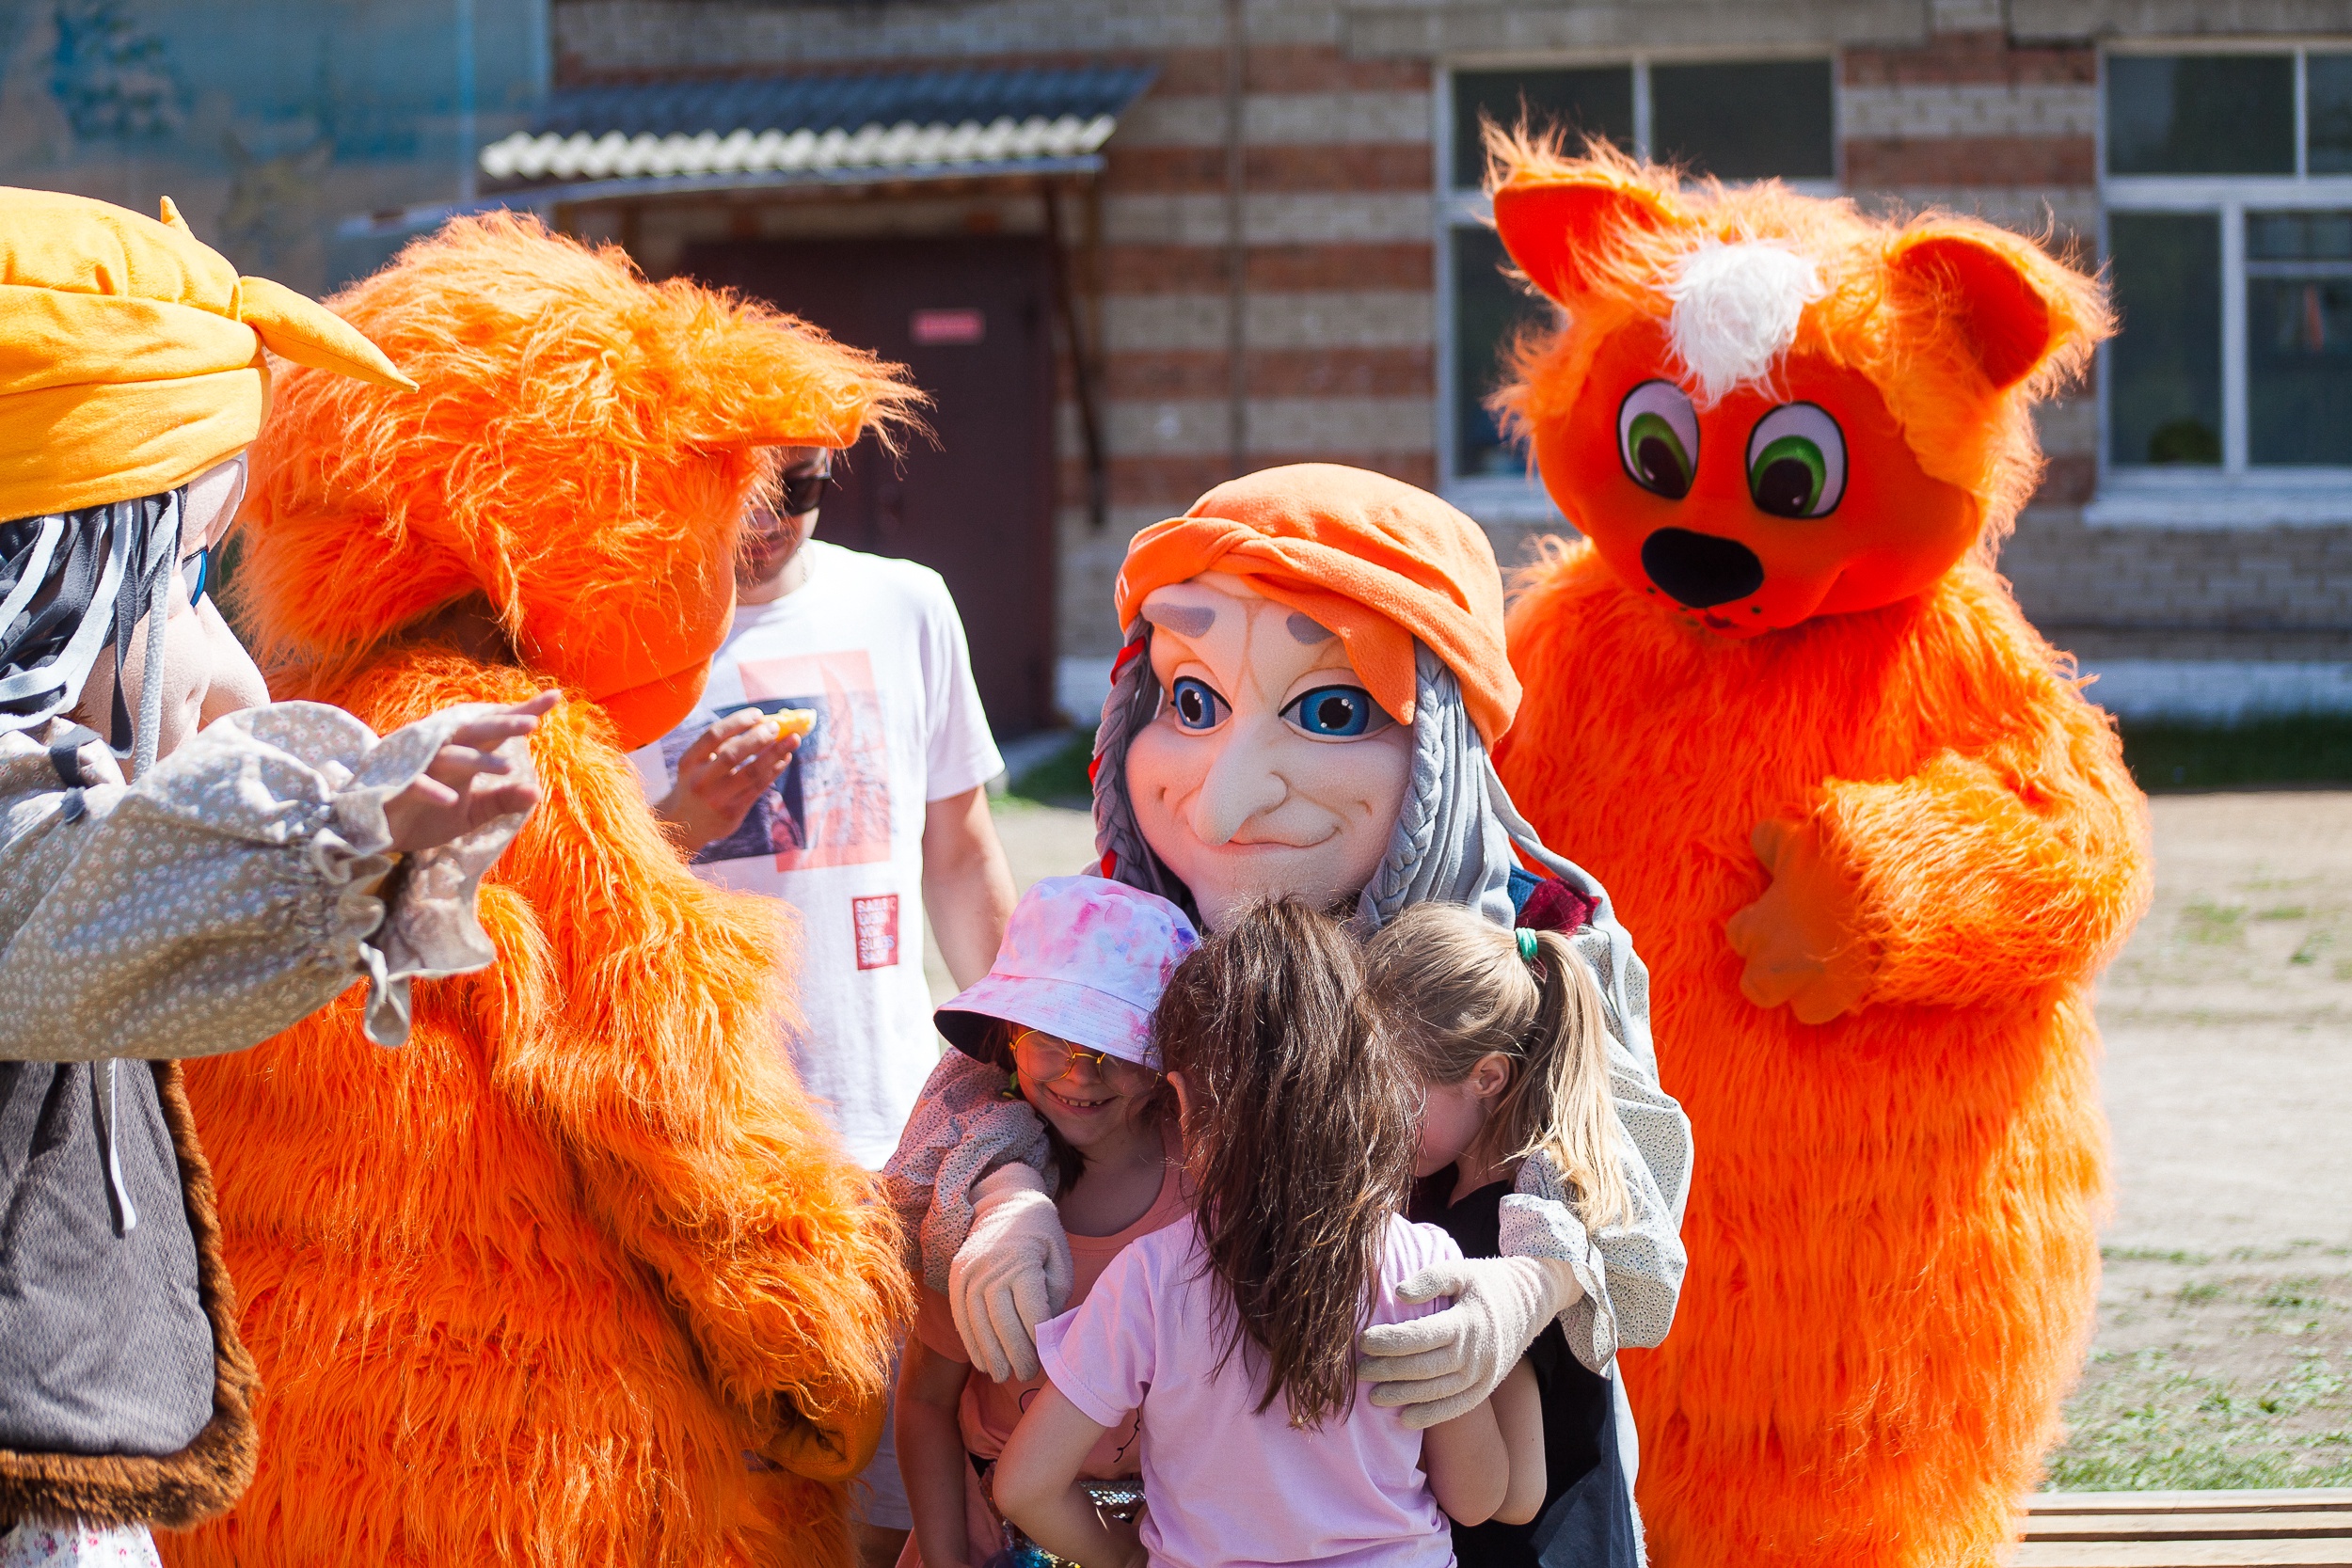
836,1450
1803,940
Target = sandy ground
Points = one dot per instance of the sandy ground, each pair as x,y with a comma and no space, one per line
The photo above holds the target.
2223,1354
2229,1030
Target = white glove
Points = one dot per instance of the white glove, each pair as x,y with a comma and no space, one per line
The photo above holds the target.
1012,1273
1439,1367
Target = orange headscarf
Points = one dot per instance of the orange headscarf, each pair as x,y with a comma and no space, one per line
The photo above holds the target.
1375,559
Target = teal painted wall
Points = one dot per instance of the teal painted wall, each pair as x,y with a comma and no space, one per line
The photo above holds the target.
268,121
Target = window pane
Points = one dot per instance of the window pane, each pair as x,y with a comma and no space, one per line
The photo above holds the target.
2164,369
2327,110
2200,113
2298,338
1488,309
1748,121
1598,99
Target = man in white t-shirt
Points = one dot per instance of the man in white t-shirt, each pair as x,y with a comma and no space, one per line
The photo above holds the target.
877,819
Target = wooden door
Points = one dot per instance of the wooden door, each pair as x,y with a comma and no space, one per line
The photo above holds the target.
970,318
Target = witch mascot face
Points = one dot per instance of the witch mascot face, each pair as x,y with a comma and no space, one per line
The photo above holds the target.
1269,768
1313,675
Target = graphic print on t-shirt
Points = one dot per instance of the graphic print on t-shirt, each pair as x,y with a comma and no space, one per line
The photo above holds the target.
832,805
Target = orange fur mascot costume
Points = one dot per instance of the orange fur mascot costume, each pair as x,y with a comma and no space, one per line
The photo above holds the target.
578,1276
1873,841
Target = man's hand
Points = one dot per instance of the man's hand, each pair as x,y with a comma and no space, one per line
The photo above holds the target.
1012,1273
463,786
729,767
1803,940
1441,1366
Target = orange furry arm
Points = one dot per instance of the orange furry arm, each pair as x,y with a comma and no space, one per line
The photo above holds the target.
1983,875
663,1077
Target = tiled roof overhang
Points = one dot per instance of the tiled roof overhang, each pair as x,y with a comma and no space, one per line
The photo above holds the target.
738,132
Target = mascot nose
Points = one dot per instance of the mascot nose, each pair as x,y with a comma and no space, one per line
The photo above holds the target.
1700,569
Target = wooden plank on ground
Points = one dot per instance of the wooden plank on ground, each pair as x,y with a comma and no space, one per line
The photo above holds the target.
2284,1500
2301,1528
2167,1525
2184,1553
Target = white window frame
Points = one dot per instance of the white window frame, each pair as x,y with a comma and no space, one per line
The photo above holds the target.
2237,494
1508,500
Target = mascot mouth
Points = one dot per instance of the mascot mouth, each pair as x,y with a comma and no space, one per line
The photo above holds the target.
1701,570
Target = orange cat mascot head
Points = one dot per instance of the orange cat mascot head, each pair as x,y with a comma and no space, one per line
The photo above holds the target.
1762,407
580,455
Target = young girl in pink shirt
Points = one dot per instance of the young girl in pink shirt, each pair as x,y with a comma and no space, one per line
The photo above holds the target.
1065,1012
1230,1335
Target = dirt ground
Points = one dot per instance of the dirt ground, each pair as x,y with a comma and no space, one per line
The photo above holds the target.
2224,1349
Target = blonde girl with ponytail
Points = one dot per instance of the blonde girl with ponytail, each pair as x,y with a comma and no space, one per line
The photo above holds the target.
1506,1033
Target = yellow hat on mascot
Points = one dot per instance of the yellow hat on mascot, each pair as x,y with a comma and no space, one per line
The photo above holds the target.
132,352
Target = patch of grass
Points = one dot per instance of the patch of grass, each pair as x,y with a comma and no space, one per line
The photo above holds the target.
2284,911
2198,1291
2151,1421
2311,749
2308,951
1060,779
2290,1295
2149,1255
2210,923
2295,1248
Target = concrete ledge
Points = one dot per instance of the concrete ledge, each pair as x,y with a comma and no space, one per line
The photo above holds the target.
2220,691
1081,683
2211,501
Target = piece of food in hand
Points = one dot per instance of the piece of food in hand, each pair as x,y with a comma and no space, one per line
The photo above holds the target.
792,721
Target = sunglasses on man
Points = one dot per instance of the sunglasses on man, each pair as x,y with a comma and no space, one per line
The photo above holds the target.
803,485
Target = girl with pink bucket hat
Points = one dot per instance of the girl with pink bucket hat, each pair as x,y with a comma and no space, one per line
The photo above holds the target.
1065,1013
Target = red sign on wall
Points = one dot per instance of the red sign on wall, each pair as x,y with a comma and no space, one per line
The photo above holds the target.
960,325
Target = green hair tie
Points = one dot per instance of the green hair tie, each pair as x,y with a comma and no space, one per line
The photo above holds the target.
1526,945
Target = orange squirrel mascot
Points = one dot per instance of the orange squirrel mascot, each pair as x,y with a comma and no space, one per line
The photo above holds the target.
1873,840
578,1276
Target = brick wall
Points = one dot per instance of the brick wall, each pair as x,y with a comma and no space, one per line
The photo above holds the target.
1958,104
1338,316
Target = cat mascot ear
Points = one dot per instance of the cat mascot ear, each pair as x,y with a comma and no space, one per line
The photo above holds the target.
1573,223
1996,299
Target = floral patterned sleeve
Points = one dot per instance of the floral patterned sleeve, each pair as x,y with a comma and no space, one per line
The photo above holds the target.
1631,1271
246,880
964,1127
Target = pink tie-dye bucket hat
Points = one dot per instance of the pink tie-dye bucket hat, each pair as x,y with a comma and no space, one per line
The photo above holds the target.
1084,959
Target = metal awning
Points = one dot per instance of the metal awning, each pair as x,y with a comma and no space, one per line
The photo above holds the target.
714,134
733,131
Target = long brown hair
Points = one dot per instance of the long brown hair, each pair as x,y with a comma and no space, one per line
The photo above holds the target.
1450,986
1301,1143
